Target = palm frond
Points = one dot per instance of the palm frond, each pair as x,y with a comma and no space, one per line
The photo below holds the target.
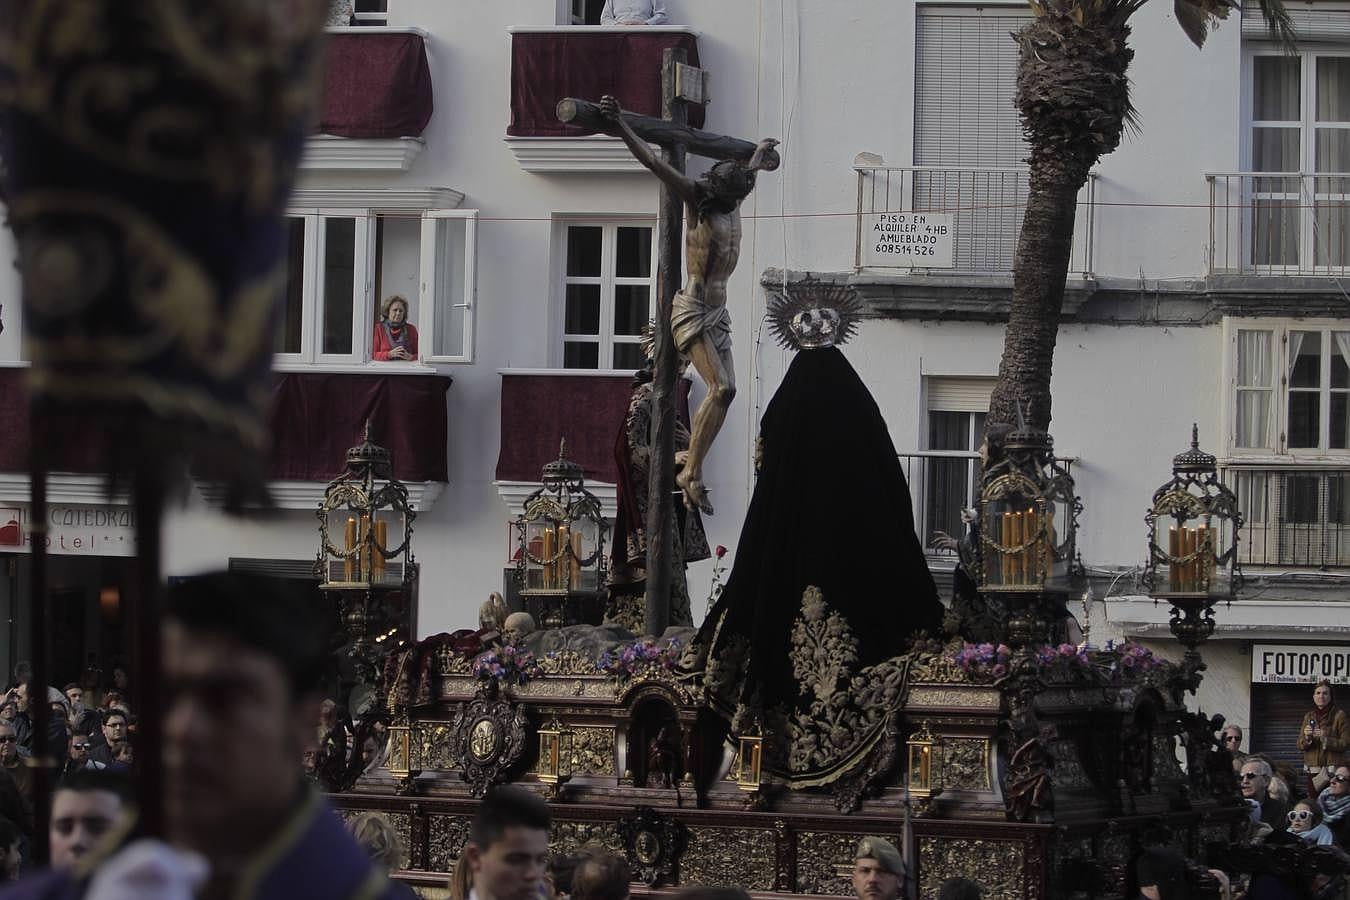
1281,27
1193,20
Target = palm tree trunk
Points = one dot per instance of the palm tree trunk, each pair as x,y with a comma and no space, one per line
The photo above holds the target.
1039,272
1073,99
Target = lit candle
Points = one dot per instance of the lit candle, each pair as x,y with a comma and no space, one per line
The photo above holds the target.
348,562
365,546
1017,556
576,559
1173,567
562,569
1205,562
1030,535
1188,567
1005,539
381,543
548,558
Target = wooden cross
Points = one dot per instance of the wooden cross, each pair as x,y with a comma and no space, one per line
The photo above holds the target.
681,84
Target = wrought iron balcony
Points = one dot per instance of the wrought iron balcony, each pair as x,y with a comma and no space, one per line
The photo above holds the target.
986,204
1279,223
1294,516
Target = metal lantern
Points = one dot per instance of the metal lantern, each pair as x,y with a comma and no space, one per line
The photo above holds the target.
555,754
749,761
399,756
1193,528
368,508
1028,518
560,562
925,764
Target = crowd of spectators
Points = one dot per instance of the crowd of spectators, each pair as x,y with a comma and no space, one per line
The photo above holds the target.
90,735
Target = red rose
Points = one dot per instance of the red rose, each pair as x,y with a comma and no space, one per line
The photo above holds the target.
720,551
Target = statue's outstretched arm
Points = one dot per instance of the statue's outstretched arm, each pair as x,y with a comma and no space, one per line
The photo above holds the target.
757,160
682,184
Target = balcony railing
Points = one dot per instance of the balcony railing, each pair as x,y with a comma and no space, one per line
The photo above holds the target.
1295,517
987,205
1279,223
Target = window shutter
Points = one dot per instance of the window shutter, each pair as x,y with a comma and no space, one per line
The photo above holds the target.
960,393
964,82
1324,20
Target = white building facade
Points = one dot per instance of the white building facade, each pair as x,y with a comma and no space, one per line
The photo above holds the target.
1200,291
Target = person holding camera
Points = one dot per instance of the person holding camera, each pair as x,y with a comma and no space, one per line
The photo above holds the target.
1323,737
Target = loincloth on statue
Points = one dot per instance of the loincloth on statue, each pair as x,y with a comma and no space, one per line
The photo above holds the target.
691,318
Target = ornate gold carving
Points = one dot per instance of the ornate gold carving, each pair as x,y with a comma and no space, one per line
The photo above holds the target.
965,764
740,856
820,856
569,837
488,735
452,662
446,837
653,842
563,688
685,691
931,696
568,662
996,866
593,750
430,747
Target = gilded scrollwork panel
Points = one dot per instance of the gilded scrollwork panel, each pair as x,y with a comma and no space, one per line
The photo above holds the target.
944,697
965,763
996,866
446,837
720,856
569,837
430,748
593,750
824,859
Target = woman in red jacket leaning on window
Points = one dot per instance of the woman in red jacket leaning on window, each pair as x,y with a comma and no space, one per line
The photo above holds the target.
395,336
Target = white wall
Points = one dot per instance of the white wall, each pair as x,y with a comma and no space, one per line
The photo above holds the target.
830,79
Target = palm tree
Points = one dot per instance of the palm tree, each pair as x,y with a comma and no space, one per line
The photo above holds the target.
1074,100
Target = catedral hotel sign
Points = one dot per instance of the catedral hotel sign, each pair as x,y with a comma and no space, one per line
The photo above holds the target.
1300,664
72,530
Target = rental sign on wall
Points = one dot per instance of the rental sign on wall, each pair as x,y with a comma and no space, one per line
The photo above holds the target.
1300,664
909,239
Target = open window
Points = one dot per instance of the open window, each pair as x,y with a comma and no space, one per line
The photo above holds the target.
343,264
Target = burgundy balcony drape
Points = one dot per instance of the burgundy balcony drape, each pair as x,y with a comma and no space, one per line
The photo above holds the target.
550,65
587,410
376,85
315,418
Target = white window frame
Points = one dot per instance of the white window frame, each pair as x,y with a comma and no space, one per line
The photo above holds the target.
1308,195
426,313
363,303
607,280
312,288
1281,453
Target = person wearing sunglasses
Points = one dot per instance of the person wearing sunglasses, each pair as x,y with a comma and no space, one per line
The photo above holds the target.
1334,801
1305,820
1230,739
1254,780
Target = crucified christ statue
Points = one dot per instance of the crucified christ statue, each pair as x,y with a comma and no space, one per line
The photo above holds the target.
699,321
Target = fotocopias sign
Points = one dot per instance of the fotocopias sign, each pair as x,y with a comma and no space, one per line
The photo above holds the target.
1300,664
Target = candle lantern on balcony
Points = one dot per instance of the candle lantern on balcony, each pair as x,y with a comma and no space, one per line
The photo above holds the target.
560,560
925,764
1193,528
365,524
365,551
1028,518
